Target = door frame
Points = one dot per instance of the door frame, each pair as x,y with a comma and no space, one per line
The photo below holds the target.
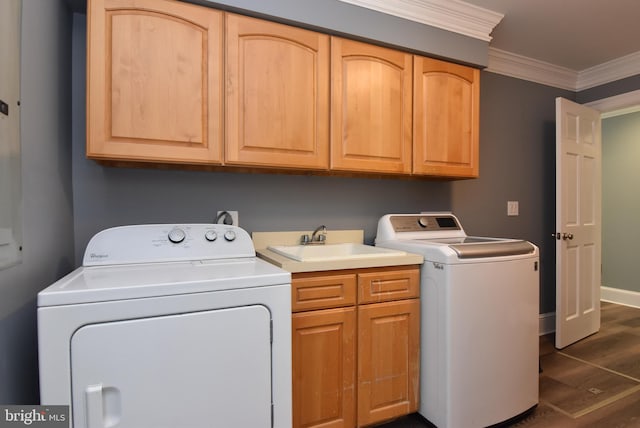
628,102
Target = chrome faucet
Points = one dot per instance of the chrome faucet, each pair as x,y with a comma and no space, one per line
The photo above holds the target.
319,236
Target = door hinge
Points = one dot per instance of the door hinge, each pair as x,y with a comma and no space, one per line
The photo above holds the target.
535,266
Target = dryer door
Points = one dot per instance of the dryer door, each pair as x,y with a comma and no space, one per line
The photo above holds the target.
201,369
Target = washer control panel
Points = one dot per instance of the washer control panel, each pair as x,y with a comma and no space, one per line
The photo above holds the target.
167,243
423,222
429,225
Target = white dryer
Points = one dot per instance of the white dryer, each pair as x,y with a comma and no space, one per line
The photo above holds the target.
479,310
169,326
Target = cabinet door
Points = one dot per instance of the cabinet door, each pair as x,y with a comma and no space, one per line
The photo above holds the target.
154,71
277,93
370,108
445,118
324,368
388,360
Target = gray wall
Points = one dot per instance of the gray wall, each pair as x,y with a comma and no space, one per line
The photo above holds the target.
620,201
609,89
46,192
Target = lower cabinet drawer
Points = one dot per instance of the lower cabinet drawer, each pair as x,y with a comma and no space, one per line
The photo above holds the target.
387,285
319,292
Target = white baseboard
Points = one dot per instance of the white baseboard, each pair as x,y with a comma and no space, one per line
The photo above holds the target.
547,323
619,296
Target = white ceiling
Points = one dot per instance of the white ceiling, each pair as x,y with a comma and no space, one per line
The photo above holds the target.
575,34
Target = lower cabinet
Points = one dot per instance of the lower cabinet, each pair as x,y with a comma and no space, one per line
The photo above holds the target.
356,364
388,366
324,363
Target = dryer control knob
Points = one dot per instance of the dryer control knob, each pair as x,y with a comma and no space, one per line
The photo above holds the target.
176,235
423,221
211,235
230,235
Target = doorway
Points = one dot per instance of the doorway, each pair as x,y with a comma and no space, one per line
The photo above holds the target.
615,111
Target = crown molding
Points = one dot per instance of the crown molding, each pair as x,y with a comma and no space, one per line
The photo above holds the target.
522,67
469,20
451,15
626,66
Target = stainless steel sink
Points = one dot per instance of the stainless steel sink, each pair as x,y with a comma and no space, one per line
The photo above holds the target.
329,252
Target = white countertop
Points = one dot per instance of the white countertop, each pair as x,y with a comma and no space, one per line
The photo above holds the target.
262,240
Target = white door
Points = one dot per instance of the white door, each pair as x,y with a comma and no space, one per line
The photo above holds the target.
194,370
578,221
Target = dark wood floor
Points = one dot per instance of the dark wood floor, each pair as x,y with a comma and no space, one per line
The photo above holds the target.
593,383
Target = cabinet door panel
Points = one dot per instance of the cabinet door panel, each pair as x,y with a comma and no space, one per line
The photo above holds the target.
154,81
446,118
324,368
277,95
388,360
370,108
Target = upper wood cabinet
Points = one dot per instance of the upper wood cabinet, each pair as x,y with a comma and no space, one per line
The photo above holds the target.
173,82
370,108
154,79
445,118
277,93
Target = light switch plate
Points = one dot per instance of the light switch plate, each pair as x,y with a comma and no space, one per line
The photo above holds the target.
513,208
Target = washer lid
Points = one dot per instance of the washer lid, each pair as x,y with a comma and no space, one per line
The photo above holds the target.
133,281
475,248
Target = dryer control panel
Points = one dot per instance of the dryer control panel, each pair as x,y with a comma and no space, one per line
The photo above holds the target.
150,243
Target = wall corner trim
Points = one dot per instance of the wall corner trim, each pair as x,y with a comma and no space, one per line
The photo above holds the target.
452,15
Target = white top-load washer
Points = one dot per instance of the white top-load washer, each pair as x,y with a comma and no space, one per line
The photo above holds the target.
169,326
479,311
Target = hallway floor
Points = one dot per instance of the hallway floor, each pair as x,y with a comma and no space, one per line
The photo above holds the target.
594,383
